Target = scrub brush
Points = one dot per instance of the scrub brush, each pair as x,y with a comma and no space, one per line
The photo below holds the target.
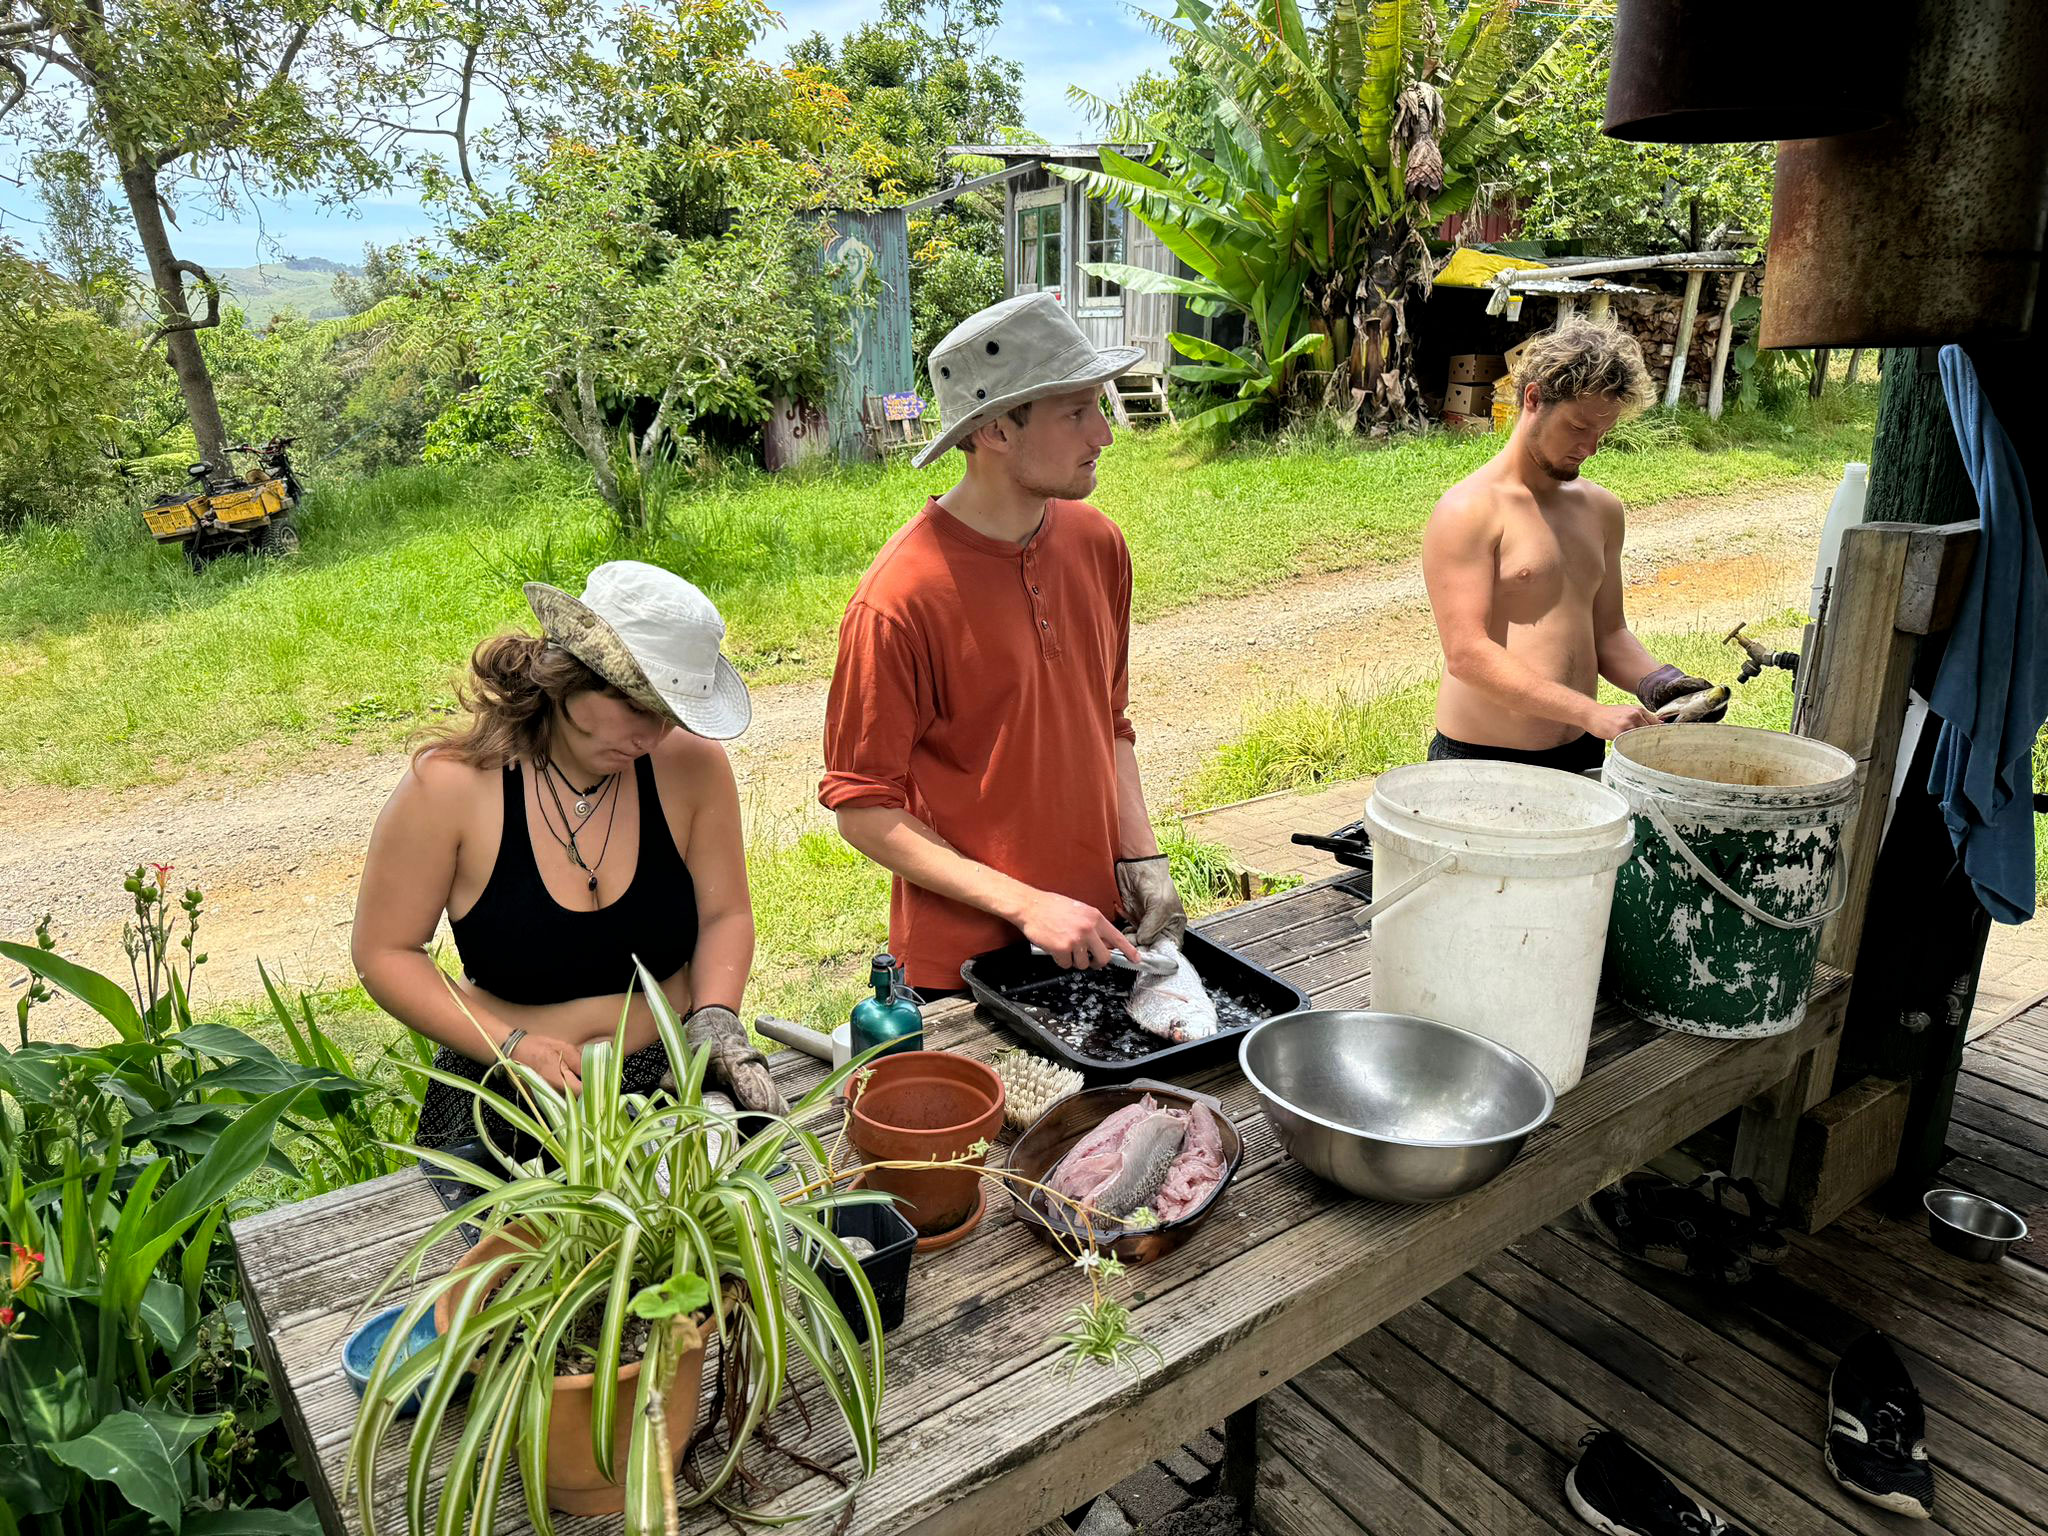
1031,1085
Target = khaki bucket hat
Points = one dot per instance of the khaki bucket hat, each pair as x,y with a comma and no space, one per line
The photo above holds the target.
655,638
1009,354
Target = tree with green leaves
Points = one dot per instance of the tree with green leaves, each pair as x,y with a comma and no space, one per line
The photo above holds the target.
660,266
198,104
60,361
1304,204
1619,198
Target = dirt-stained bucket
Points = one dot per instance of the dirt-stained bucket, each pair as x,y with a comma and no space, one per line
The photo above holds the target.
1717,916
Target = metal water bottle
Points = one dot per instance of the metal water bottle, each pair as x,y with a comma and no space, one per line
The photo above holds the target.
890,1018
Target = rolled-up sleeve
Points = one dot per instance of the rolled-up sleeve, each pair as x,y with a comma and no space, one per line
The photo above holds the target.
879,702
1120,676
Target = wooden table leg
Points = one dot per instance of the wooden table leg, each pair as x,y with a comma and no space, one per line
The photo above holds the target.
1241,1458
1763,1143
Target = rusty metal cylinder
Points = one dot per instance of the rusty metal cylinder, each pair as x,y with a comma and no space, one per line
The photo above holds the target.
1745,71
1929,229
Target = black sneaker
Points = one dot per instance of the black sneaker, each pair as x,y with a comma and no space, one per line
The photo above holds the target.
1616,1489
1674,1227
1876,1442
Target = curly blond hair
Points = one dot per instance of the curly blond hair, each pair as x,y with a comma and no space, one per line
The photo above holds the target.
1584,358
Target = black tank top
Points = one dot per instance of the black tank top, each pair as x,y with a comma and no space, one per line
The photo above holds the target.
518,943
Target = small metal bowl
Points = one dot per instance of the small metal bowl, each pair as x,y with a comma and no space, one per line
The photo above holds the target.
1394,1107
1971,1227
1055,1132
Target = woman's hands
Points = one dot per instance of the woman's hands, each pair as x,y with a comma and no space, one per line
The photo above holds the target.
557,1061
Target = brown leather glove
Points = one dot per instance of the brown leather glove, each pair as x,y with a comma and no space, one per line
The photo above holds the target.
1150,901
735,1061
1666,683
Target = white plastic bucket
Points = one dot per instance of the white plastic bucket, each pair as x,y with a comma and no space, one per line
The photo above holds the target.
1491,887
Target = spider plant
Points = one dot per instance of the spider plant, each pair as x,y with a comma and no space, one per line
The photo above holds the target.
647,1207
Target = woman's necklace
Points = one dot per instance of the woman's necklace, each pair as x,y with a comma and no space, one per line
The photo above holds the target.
586,805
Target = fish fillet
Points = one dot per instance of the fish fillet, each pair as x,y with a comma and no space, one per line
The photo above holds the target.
1118,1177
1176,1007
1196,1171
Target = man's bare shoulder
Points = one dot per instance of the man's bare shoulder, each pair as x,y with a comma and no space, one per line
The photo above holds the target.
1469,509
1597,498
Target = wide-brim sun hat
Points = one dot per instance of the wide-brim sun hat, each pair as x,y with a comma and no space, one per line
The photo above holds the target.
1008,355
654,637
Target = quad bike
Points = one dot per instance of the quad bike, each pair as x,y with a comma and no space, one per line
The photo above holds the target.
227,513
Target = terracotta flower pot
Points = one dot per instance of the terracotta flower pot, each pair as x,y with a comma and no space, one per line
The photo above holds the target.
576,1484
927,1106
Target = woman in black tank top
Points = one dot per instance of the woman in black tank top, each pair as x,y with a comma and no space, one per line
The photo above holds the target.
568,832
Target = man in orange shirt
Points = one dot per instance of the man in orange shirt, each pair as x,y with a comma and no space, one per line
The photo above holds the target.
976,738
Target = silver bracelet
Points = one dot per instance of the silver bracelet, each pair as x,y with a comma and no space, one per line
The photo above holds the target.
510,1043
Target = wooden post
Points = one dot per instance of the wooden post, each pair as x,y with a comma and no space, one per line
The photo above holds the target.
1599,306
1241,1459
1690,313
1894,583
1820,371
1567,306
1722,345
1855,365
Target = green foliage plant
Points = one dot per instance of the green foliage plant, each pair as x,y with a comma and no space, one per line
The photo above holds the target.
128,1397
653,1207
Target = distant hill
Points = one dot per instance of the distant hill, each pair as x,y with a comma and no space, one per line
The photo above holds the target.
302,283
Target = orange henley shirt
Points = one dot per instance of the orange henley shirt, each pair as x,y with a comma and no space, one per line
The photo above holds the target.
981,686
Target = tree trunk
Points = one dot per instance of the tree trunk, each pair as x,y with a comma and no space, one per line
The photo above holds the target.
1384,347
138,183
576,412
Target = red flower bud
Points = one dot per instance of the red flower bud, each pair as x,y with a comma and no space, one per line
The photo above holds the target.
6,1317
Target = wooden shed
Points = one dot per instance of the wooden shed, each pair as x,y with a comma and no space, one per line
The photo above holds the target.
1052,228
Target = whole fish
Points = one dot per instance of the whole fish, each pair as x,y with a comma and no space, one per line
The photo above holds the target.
1693,706
1176,1007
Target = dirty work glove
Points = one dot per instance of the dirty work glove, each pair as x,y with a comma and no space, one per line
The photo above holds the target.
1667,683
1145,887
734,1060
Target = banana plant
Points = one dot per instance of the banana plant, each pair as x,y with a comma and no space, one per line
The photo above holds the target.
655,1207
1326,157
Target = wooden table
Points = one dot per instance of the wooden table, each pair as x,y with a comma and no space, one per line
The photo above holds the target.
984,1429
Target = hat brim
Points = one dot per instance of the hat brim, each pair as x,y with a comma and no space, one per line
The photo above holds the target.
1108,364
572,624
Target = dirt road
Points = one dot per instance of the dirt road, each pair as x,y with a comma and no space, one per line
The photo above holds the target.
278,858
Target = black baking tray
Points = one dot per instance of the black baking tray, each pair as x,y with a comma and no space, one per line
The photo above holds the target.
1002,982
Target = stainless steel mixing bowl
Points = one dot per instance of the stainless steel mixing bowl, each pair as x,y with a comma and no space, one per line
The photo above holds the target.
1393,1107
1970,1226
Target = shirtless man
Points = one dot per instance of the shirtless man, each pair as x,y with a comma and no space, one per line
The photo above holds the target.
1522,559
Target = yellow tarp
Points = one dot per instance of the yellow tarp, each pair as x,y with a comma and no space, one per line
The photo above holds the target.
1468,268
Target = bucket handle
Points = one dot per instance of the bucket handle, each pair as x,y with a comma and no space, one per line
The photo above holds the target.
1445,865
1722,889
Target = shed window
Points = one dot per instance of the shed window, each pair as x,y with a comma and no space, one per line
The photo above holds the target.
1106,223
1038,246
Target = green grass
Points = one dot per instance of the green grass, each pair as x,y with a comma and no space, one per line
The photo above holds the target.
1317,737
120,667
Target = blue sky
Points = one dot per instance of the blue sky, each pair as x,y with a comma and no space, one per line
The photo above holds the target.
1058,42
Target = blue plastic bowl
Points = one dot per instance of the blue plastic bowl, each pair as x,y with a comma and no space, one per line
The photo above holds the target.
359,1354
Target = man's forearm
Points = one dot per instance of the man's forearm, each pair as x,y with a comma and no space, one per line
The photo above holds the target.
912,851
1135,838
1519,688
1623,660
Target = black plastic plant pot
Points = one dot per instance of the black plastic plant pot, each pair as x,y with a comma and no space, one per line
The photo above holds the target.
888,1267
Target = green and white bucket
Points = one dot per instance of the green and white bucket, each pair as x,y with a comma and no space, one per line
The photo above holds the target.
1717,916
